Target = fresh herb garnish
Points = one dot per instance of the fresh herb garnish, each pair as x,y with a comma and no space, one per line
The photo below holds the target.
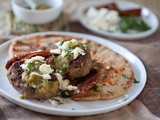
96,88
133,23
60,103
63,94
88,46
31,66
135,81
42,48
20,69
110,92
25,43
96,64
124,76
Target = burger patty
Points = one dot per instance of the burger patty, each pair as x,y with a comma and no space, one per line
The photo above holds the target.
80,66
15,77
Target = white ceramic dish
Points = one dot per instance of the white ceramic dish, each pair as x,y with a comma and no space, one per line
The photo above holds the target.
37,16
148,16
80,108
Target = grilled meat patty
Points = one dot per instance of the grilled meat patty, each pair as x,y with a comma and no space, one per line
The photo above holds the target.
15,77
80,66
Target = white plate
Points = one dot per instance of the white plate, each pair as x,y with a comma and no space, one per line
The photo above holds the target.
148,16
80,108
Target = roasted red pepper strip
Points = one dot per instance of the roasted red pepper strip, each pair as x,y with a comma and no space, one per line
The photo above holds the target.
129,12
90,80
111,6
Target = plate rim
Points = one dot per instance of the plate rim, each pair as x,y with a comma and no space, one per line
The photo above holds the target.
119,36
69,112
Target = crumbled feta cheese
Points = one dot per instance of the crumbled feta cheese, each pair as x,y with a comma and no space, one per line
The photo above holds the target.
64,84
126,97
77,51
92,12
74,41
58,44
46,76
104,19
108,67
119,101
56,51
70,87
59,77
24,66
112,17
40,58
65,45
45,69
64,53
53,102
102,12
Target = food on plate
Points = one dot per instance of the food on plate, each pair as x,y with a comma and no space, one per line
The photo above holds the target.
76,68
36,74
130,23
104,19
110,18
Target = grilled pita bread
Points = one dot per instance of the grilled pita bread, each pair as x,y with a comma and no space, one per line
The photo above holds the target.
115,83
34,43
118,79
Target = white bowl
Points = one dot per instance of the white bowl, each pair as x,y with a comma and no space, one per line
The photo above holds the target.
37,16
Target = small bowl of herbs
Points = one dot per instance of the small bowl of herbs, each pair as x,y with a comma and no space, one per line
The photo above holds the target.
118,19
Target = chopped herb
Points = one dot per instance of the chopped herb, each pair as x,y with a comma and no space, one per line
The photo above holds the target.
60,103
31,66
64,95
95,63
25,43
133,23
19,69
135,81
96,88
87,45
122,85
22,97
125,76
42,48
110,91
61,43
